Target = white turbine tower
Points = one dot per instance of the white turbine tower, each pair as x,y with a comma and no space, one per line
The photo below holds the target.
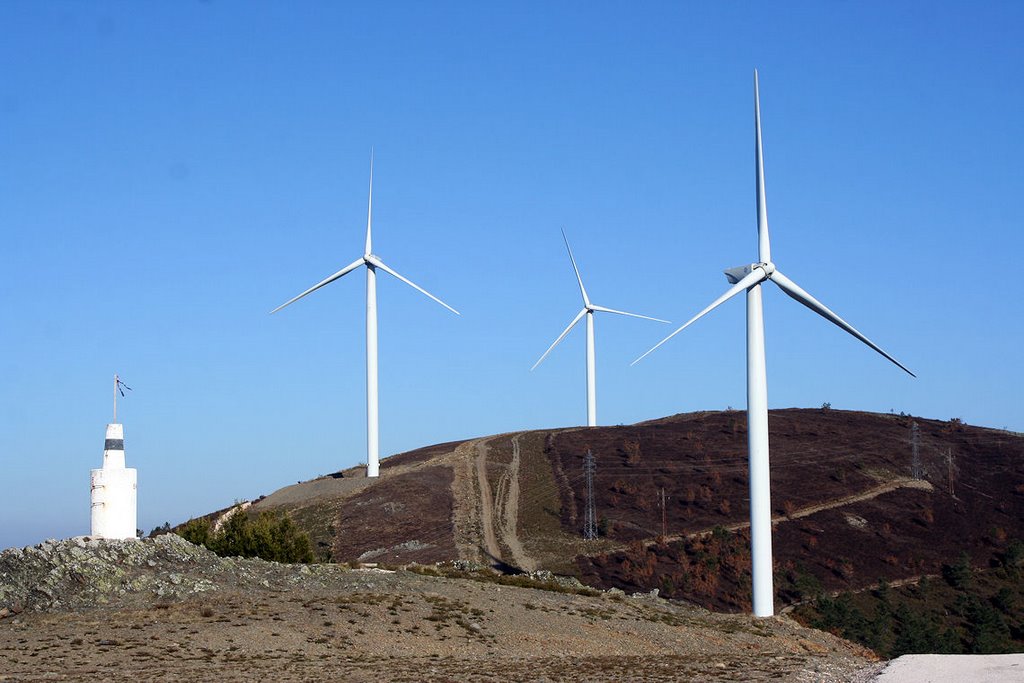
372,263
588,311
749,279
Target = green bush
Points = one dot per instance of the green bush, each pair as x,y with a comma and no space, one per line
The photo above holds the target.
160,530
959,575
1014,555
195,531
1004,600
270,536
914,633
987,631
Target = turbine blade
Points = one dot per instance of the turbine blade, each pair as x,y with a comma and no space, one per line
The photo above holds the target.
579,316
794,290
752,278
632,315
376,262
369,210
326,281
586,299
764,249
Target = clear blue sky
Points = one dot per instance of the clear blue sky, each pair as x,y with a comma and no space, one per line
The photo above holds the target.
170,172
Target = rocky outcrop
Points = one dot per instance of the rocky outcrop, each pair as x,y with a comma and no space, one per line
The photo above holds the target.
85,572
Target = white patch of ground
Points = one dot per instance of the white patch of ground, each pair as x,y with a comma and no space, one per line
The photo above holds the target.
936,668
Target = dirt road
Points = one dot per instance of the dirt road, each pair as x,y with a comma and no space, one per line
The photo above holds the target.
506,506
492,513
868,494
486,501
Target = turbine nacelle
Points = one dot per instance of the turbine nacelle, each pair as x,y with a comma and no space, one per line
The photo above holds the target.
734,275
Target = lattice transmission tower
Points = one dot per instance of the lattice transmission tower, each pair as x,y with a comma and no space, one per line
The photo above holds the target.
951,470
590,516
916,469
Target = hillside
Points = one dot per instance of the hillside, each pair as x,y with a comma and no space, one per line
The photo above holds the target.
848,512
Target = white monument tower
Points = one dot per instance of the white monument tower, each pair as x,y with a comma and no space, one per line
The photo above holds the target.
114,505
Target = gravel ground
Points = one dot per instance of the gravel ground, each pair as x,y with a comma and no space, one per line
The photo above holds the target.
165,610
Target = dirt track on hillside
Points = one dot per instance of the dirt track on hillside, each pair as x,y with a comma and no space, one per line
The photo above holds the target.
507,507
486,502
873,492
494,514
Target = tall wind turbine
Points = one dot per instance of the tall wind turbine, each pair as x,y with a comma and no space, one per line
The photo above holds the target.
749,279
372,263
588,311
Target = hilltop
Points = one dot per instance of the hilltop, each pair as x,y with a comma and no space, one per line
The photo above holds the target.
847,508
846,505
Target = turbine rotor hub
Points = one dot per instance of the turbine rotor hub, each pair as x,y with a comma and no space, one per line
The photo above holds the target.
736,274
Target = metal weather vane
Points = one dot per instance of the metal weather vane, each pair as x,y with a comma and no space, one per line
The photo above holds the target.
119,388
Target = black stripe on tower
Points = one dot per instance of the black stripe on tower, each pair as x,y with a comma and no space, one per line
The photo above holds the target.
113,445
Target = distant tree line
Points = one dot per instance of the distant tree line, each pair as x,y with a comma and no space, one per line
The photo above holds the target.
969,611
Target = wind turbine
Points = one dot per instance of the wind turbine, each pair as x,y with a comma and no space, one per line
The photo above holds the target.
749,279
372,263
588,311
